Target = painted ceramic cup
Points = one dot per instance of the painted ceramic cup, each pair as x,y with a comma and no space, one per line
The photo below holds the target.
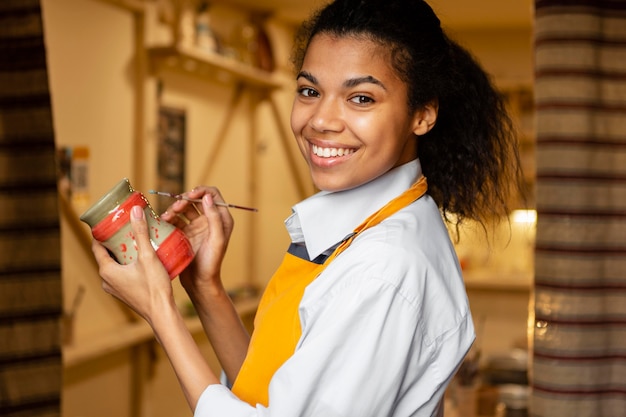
109,219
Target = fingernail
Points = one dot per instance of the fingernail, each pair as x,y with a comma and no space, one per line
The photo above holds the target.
137,212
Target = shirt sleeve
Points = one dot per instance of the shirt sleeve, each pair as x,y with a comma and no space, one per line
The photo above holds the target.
370,346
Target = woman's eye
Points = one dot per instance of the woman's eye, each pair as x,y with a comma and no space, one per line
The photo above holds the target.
361,100
307,92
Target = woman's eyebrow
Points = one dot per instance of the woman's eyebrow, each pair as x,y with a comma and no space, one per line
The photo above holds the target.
368,79
352,82
308,76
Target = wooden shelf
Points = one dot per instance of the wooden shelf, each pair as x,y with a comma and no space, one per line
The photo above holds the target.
135,6
211,66
134,334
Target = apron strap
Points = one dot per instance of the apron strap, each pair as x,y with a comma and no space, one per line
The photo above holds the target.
417,190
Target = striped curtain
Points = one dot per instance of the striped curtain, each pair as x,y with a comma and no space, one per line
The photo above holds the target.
30,257
579,341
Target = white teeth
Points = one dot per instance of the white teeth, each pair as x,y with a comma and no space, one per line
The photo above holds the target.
331,152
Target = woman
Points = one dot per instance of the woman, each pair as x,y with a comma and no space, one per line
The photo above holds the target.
367,315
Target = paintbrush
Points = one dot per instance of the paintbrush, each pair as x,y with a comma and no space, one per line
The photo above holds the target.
197,200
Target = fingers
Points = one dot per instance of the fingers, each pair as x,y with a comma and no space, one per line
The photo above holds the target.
101,254
200,191
178,208
133,282
141,232
183,212
178,220
214,216
226,222
188,208
106,264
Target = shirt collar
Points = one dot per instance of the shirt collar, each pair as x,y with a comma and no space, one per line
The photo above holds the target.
326,218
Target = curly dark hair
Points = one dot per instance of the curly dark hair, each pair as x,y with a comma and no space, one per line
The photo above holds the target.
470,157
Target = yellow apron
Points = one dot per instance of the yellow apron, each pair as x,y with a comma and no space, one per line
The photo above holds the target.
277,322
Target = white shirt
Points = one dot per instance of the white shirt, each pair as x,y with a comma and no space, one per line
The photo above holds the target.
386,324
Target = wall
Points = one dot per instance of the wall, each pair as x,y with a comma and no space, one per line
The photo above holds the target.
506,53
91,62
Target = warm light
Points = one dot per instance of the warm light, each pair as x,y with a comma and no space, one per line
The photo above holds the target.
524,216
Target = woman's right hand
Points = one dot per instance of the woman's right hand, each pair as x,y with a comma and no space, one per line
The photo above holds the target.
208,228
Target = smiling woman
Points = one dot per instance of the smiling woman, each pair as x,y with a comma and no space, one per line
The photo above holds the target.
367,314
320,223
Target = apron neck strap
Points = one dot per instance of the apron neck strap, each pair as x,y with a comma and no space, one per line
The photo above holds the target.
416,191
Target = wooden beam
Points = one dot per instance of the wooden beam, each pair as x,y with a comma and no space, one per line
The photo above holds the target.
220,138
140,69
291,161
135,6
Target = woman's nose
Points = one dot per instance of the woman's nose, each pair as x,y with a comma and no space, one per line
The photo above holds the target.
327,116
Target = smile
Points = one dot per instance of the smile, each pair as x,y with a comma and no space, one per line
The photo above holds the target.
331,152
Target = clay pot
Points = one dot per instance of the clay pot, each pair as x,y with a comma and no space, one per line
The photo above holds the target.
109,220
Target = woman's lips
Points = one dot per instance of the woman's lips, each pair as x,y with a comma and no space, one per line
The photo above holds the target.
331,152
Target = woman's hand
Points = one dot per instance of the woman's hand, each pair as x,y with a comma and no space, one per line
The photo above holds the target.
143,285
208,228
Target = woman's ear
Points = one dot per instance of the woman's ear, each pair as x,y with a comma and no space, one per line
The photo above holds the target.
425,118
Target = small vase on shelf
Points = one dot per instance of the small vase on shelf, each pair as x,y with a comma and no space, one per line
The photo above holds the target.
206,40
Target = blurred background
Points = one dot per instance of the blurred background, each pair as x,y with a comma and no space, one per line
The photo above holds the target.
175,93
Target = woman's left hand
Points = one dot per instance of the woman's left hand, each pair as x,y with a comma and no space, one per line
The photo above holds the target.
143,285
208,228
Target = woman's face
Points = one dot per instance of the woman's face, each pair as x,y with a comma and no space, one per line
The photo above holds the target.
350,115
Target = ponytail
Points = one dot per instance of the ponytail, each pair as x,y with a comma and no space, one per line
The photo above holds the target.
471,156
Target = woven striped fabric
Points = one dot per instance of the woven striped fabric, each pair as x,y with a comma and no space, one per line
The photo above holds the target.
579,342
30,255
